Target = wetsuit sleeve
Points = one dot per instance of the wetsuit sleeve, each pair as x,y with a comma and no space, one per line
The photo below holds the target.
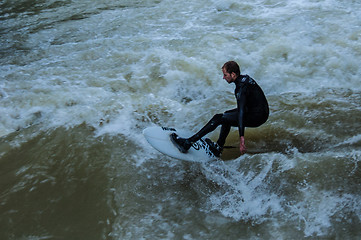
241,103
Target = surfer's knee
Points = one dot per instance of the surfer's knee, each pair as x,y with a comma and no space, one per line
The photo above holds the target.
217,119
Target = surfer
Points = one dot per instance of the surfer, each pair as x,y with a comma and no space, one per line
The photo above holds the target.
252,111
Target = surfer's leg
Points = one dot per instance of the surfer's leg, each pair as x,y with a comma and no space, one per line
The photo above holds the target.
256,119
225,129
184,144
229,119
209,127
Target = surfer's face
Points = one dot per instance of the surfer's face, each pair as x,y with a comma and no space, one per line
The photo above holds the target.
229,77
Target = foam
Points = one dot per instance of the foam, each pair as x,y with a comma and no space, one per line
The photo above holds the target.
280,60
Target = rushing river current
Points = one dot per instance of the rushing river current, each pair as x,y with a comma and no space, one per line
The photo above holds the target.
81,79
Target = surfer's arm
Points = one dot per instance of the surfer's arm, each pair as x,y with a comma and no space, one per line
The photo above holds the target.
241,102
242,145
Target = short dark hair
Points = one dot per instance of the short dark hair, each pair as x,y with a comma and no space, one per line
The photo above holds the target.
232,66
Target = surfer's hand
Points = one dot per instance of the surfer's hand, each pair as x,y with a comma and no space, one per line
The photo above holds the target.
242,146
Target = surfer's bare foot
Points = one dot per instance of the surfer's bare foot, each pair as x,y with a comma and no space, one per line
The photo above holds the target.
182,144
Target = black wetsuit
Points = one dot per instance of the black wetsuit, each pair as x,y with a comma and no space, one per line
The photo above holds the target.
252,111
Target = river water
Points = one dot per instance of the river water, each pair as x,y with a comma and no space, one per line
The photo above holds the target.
80,80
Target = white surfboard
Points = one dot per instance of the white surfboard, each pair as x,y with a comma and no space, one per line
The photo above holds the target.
159,138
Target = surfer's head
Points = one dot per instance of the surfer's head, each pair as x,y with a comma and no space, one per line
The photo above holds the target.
230,71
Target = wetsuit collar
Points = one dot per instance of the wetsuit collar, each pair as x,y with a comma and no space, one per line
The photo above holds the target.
240,79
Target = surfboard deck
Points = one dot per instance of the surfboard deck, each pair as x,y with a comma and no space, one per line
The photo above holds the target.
159,138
